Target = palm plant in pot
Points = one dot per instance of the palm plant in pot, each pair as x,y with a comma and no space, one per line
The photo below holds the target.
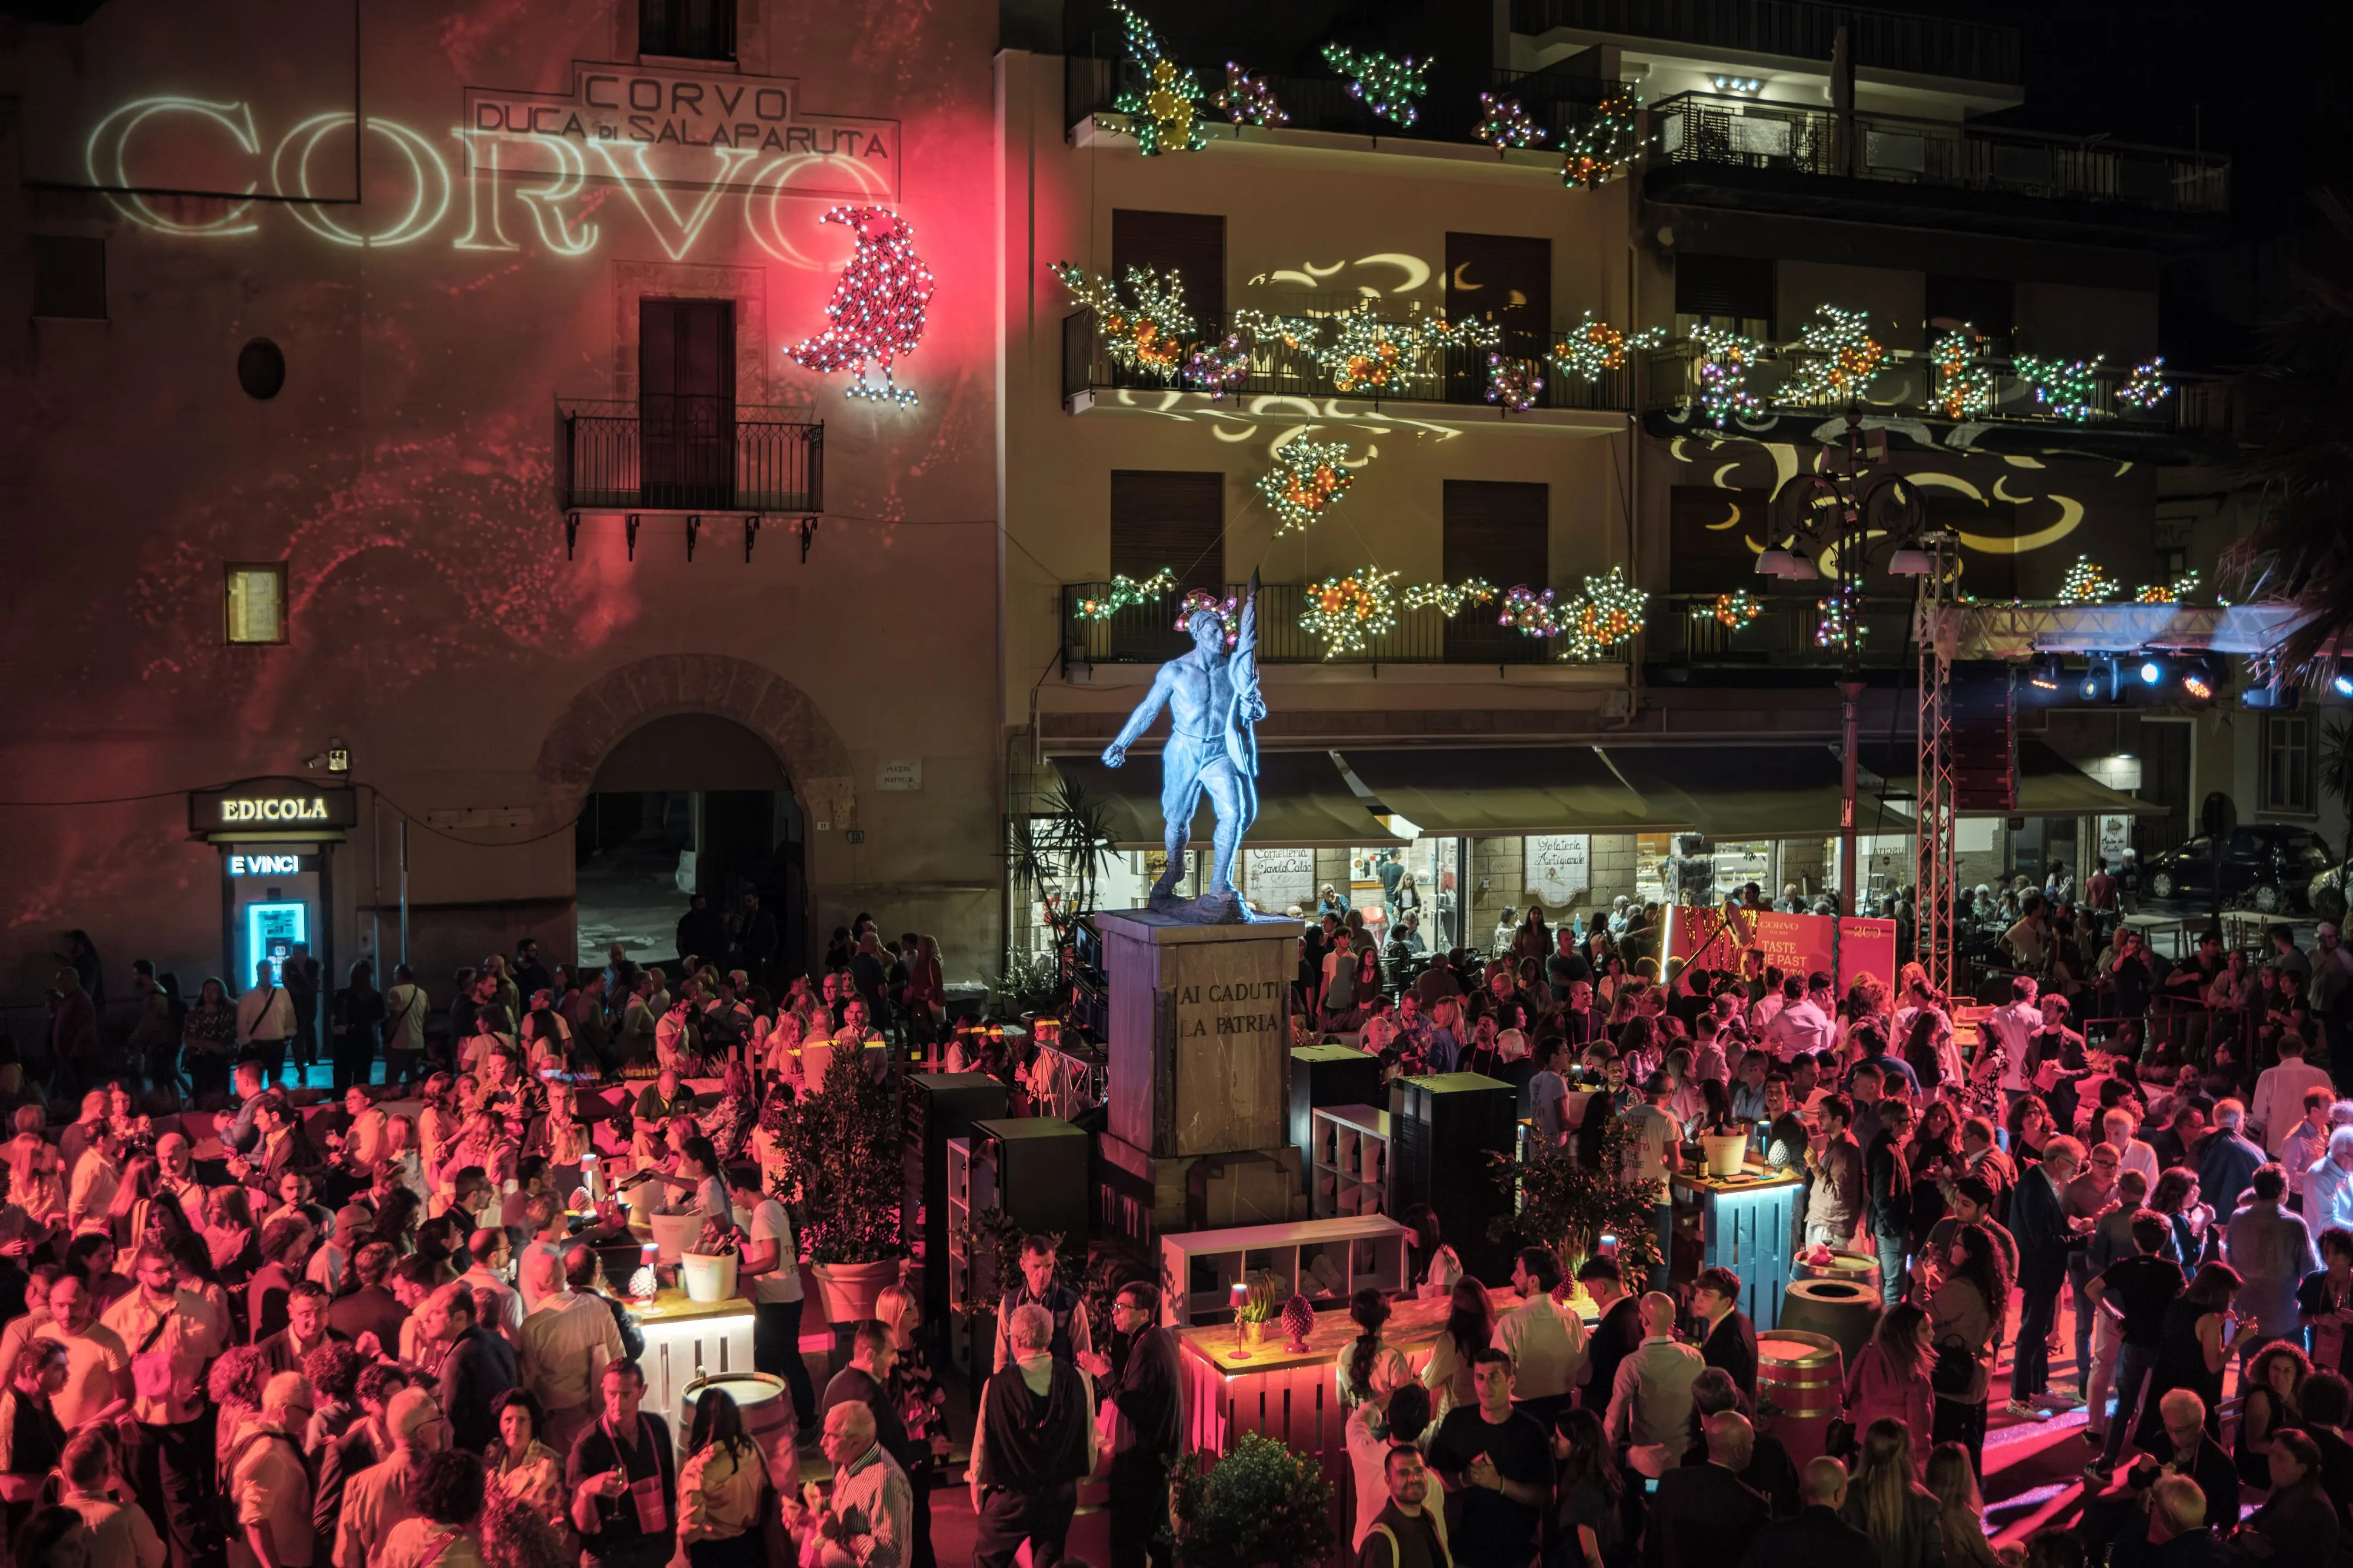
840,1142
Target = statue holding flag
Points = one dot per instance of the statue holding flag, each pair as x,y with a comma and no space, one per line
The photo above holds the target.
1213,702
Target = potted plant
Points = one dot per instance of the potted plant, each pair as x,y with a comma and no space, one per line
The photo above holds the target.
1569,1206
1258,1309
841,1143
1260,1504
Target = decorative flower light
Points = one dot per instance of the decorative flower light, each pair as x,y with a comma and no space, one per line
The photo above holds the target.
1964,386
1248,100
1526,610
1371,355
1127,591
1840,623
1147,335
2145,387
2063,386
1723,358
1161,117
1504,124
1513,383
1306,481
1845,355
2086,585
2160,593
876,314
1219,368
1387,85
1600,146
1735,609
1348,612
1448,599
1198,599
1609,613
1594,346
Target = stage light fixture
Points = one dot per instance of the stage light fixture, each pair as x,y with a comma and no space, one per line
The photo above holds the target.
2196,683
2342,685
2043,673
2151,672
2090,689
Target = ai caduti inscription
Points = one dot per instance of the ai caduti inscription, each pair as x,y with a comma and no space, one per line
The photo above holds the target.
1203,1011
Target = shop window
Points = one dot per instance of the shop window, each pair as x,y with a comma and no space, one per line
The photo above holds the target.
254,602
68,278
2288,763
1734,292
1192,244
687,29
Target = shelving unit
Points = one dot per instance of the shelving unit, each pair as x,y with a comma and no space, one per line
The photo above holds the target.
1335,1257
971,1189
1350,1147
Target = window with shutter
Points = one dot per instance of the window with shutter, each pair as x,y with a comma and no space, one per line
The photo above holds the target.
1174,521
1499,532
1191,244
1734,292
686,401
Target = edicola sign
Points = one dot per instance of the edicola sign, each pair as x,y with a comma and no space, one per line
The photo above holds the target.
273,804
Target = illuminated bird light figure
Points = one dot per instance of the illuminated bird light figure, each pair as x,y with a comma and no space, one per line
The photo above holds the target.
876,314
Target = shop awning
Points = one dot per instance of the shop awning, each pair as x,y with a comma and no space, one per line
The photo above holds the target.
1476,791
2051,786
1303,804
1751,792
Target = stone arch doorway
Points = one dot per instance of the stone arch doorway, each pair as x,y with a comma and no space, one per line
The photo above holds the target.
692,773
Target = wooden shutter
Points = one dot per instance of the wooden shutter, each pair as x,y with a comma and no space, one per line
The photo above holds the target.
686,401
1170,521
1499,532
1507,279
1725,288
1193,244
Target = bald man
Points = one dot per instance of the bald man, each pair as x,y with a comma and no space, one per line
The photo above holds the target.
869,1516
1705,1515
1650,1404
1816,1537
563,1347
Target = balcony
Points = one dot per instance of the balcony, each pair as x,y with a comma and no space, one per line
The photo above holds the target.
2197,414
1147,633
1430,374
1555,100
687,454
1683,633
1715,149
1795,29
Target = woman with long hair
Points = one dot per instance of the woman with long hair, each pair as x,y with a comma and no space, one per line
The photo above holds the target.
2175,1197
1960,1509
1886,1503
1470,1329
720,1487
921,1403
1889,1379
729,1123
519,1463
207,1038
2029,1126
1966,1318
1431,1262
2271,1397
2194,1350
437,1125
1533,938
1352,1374
1587,1496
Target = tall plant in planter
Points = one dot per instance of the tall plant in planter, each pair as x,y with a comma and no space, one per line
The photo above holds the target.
1261,1504
1568,1207
842,1141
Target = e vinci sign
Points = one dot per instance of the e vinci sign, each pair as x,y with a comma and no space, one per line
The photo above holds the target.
276,804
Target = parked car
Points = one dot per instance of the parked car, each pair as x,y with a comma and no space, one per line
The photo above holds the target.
2266,866
2325,897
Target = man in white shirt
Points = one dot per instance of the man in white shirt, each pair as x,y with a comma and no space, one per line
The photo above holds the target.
1808,1022
565,1344
771,1265
2280,1090
1545,1341
405,1010
2305,1142
488,1247
1657,1149
2010,1027
95,1178
2134,1153
173,1460
265,1020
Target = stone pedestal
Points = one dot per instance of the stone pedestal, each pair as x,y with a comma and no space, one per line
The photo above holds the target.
1200,1047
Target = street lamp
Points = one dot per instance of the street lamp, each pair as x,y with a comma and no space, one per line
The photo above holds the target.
1838,515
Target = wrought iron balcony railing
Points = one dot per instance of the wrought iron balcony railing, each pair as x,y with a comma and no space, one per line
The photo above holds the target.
1786,633
1743,132
1419,374
687,454
1800,29
1147,633
1909,383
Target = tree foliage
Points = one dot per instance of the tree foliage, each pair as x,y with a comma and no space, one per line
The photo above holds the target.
1566,1205
1260,1504
841,1142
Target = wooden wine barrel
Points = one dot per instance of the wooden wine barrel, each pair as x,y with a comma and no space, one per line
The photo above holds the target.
1799,1376
1846,1313
1853,1267
768,1414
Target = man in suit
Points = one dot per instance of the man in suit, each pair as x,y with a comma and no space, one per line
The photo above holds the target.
1703,1515
1818,1537
1147,1390
1727,1339
1617,1331
2045,1235
476,1369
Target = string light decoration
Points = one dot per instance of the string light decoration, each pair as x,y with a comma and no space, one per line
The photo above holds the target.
1294,332
1386,85
1735,609
1845,355
1146,335
876,314
2145,387
1196,600
1248,100
1505,125
1372,355
1601,145
2063,386
1526,610
1348,612
1609,613
1306,481
1449,598
1512,383
1840,622
1593,346
1964,386
2160,593
1126,592
1221,367
1723,358
1163,117
2086,585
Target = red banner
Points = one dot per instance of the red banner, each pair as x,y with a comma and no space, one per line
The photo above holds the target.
1795,945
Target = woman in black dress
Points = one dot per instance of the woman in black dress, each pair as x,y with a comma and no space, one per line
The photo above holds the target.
2197,1346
